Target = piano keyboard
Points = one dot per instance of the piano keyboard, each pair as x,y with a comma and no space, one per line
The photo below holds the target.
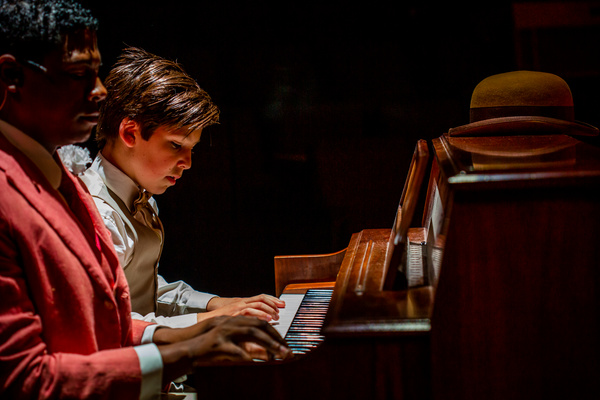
301,320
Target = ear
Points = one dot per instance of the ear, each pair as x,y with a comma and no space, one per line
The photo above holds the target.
130,132
11,72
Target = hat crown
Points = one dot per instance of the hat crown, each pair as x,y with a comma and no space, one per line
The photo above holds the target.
522,93
522,88
522,103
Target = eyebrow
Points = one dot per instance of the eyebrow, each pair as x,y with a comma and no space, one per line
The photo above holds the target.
180,139
86,57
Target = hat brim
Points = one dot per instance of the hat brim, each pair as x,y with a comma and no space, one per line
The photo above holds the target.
524,125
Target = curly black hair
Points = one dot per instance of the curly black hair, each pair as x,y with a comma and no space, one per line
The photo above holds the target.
30,29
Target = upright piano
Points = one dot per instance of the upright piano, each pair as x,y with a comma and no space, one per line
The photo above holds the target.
486,285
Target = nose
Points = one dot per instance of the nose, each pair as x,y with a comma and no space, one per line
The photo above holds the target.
185,162
98,93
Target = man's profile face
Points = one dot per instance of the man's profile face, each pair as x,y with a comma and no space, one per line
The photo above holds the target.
63,99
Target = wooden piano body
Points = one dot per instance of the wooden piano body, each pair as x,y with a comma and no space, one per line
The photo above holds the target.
510,305
517,311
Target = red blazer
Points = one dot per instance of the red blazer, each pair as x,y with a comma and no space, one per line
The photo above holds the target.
65,325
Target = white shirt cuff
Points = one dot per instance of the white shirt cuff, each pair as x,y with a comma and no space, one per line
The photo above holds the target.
177,321
151,366
149,334
200,300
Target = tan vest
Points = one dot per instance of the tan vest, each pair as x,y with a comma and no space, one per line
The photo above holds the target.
147,249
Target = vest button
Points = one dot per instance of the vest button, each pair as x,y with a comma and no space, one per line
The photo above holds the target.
109,305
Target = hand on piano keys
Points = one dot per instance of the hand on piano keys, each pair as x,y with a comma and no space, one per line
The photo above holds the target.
262,306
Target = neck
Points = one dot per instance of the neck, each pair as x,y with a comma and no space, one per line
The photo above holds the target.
10,118
119,158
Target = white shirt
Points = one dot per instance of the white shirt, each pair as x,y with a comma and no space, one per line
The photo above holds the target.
178,302
150,359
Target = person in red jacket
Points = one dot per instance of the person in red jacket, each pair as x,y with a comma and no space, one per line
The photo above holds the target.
65,325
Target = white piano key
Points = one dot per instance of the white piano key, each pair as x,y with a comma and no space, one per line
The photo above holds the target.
287,314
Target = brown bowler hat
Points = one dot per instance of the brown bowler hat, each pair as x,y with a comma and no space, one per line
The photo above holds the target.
522,103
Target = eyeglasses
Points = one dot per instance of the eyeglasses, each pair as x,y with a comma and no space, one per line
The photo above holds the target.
38,67
89,74
35,65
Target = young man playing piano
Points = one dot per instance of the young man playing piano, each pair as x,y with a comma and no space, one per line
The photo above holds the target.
149,123
65,324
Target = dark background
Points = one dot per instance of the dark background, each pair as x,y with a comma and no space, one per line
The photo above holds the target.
321,107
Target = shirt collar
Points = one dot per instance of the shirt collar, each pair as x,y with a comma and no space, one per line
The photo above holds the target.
34,151
116,180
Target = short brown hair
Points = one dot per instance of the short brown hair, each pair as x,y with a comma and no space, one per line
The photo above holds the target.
154,92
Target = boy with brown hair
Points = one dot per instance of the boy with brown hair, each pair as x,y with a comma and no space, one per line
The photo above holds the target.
153,116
